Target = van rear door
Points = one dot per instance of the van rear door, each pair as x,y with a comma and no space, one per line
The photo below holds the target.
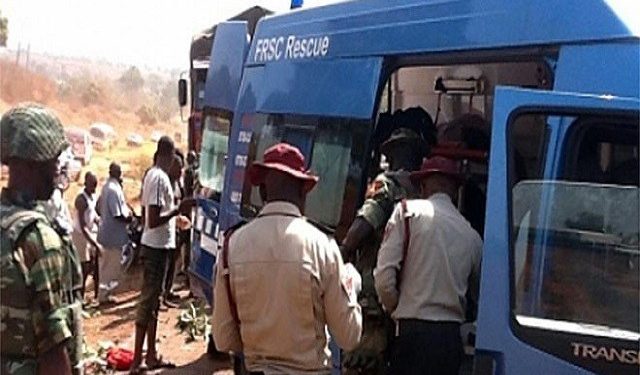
559,288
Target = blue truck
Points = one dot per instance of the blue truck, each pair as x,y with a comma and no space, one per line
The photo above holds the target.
558,84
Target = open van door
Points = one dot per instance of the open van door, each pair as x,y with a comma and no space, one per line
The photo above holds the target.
560,277
228,53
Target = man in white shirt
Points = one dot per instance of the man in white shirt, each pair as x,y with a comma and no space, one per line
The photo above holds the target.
85,229
429,258
158,239
112,232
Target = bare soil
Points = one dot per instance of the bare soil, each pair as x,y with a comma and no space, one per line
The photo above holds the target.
116,324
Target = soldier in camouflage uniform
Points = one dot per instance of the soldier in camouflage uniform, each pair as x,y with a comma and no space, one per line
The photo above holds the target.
40,279
404,149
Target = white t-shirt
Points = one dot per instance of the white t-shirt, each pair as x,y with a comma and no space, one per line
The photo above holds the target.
157,190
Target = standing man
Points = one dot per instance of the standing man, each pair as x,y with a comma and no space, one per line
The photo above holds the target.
191,175
41,277
191,184
170,298
158,239
112,232
404,149
429,258
285,280
85,229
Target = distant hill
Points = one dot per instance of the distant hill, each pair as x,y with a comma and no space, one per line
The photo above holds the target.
83,91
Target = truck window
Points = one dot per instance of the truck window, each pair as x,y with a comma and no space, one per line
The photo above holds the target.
214,150
333,150
575,238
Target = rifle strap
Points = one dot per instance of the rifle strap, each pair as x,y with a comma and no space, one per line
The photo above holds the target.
407,238
227,276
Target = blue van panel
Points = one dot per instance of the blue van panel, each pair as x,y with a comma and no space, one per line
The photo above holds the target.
617,64
342,88
228,53
495,335
204,249
383,27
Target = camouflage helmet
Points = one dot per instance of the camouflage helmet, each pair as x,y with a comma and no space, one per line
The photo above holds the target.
31,131
406,136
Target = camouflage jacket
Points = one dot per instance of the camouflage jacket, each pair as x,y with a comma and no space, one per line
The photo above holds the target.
40,274
384,192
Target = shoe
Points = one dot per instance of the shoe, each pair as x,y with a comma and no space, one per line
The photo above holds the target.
171,296
110,300
170,304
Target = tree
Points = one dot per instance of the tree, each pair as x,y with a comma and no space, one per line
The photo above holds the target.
4,30
132,79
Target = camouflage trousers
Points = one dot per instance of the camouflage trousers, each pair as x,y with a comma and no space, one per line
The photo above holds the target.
370,357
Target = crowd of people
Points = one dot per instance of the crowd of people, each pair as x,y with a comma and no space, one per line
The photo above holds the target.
281,284
48,253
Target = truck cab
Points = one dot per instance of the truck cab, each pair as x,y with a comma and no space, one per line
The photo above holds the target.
556,186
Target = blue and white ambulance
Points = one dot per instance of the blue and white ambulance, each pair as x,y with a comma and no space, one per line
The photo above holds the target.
559,84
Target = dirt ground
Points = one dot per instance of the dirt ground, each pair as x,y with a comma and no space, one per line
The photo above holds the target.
116,324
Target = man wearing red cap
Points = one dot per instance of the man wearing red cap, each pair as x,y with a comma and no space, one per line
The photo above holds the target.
280,282
429,257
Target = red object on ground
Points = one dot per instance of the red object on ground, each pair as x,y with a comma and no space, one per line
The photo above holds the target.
120,359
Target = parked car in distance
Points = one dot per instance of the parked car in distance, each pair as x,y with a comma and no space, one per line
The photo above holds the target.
156,135
102,135
135,140
71,167
80,141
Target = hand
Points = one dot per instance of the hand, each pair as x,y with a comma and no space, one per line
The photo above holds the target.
99,250
186,205
183,222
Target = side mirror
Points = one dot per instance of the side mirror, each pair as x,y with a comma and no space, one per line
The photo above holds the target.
182,92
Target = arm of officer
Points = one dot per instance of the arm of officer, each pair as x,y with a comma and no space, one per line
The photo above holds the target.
389,258
474,277
46,262
342,311
226,332
373,214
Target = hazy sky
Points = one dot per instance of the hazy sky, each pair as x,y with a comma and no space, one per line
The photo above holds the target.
151,32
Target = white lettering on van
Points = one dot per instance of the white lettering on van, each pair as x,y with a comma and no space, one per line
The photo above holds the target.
236,197
276,48
627,356
241,161
244,136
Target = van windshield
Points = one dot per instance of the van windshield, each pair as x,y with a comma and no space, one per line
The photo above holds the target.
214,150
334,150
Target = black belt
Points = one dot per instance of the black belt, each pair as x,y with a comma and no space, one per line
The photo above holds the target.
404,326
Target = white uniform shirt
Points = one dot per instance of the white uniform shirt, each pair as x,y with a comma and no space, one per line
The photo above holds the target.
289,284
443,260
157,190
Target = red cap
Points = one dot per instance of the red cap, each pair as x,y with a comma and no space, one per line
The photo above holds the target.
437,164
285,158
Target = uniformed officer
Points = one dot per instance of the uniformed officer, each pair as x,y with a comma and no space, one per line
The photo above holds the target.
428,260
281,282
41,276
404,149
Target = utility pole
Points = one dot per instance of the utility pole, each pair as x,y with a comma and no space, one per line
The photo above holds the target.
18,55
26,64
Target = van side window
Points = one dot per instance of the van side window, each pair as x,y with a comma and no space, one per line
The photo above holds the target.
576,237
334,149
214,150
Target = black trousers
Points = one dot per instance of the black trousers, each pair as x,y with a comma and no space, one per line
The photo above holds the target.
424,347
